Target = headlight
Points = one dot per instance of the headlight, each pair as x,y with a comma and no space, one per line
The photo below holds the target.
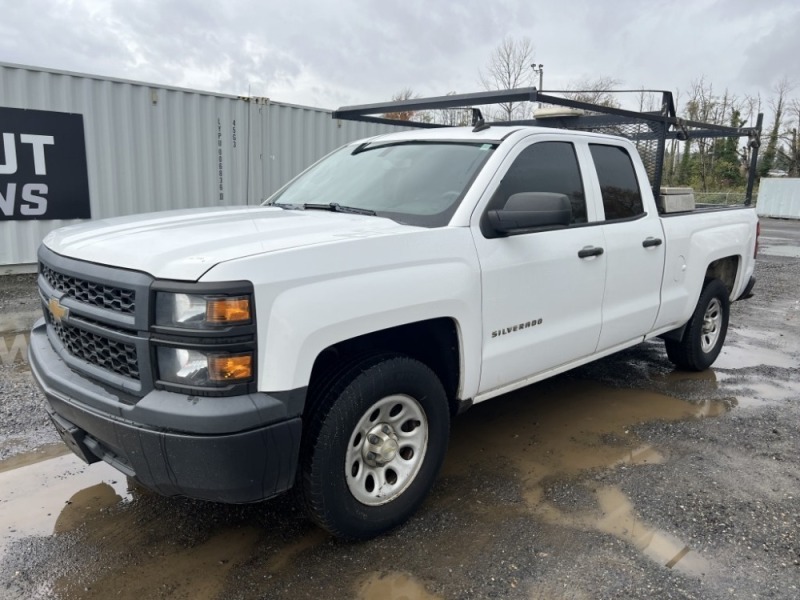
197,368
196,311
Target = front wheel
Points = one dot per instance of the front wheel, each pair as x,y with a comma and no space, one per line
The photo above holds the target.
705,333
375,443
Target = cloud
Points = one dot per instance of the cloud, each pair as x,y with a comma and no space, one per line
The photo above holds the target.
773,53
353,51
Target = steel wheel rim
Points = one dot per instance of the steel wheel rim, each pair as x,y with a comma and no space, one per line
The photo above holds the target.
712,325
386,449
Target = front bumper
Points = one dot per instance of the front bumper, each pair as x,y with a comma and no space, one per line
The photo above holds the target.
231,449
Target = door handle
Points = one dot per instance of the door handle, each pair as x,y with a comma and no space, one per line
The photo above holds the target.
651,241
588,251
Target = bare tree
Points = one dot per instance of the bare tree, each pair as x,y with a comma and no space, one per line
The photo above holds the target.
595,91
752,106
453,117
404,115
778,102
790,154
648,101
509,67
703,105
750,110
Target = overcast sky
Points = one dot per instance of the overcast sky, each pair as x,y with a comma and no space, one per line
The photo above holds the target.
340,52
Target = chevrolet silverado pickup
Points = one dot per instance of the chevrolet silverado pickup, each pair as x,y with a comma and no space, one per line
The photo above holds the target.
324,340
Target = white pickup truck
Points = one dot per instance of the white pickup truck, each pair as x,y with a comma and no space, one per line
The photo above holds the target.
324,340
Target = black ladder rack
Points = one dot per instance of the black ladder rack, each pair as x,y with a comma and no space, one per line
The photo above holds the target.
649,131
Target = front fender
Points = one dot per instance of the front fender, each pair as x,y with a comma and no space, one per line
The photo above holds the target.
312,297
307,319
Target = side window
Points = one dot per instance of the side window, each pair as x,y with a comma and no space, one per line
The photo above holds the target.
545,167
619,187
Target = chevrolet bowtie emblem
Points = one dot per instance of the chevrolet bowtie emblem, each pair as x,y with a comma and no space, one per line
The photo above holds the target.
57,310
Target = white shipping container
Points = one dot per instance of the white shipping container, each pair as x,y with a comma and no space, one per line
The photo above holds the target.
779,197
147,148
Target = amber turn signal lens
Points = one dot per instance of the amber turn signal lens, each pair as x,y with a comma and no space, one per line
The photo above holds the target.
228,310
232,367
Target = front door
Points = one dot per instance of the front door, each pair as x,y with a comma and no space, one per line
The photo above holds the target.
542,291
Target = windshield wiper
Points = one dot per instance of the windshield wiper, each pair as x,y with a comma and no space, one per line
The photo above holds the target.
283,206
336,207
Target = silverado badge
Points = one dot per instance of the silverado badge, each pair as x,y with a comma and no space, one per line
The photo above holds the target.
57,310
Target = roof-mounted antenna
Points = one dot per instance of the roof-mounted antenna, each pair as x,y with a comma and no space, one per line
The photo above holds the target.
478,124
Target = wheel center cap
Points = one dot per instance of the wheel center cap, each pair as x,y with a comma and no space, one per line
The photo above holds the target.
389,450
380,446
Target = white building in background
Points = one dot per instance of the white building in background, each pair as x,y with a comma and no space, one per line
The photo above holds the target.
779,197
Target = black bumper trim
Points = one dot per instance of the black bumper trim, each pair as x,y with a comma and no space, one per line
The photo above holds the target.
236,468
234,449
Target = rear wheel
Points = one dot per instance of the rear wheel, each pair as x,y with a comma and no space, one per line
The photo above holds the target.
375,443
705,333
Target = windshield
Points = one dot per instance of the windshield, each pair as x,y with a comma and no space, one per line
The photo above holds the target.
417,183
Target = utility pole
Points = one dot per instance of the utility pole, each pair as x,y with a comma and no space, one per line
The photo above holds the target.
538,70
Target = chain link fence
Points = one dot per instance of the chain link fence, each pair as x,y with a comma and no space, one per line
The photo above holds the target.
724,198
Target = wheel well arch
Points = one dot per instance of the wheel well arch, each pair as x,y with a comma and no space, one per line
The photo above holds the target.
434,342
726,270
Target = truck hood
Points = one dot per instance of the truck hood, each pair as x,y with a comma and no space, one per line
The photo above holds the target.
184,244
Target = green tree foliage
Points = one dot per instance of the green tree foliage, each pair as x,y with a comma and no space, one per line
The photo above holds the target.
767,162
709,165
727,171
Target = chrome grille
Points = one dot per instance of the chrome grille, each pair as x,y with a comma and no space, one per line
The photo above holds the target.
97,350
96,294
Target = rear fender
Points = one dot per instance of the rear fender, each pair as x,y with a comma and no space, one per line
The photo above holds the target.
688,262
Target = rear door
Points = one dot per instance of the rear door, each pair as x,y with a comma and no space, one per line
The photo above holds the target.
634,244
541,300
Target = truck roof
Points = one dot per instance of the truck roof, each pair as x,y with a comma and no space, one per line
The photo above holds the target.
466,134
494,134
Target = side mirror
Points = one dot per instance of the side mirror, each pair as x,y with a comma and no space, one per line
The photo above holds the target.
530,211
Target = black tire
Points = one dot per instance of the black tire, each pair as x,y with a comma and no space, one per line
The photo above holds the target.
341,406
698,348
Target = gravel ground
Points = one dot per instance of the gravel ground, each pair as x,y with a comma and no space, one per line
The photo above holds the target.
621,479
24,425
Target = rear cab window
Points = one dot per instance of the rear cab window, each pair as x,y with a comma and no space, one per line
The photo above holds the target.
619,186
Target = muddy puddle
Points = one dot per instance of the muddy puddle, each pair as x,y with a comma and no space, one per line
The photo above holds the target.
393,586
742,355
747,348
756,394
36,455
41,495
582,427
505,459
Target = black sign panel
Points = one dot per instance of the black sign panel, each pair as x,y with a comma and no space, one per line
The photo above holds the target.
42,166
